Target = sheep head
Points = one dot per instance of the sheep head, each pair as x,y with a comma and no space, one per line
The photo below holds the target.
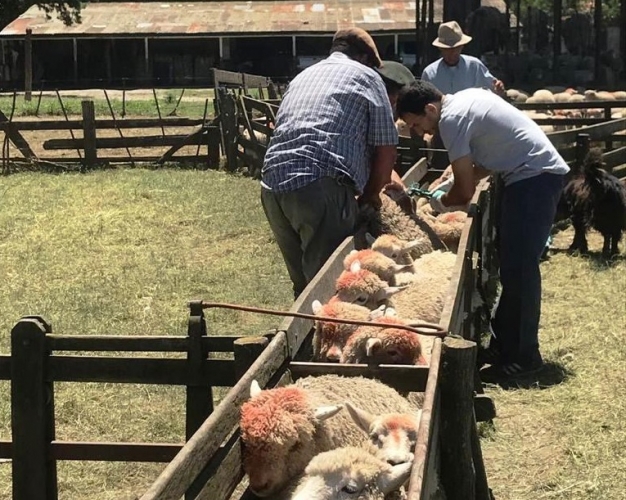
393,434
278,426
396,249
362,287
371,260
350,472
330,338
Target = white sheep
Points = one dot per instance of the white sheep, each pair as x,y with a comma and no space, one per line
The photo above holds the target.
393,247
351,473
371,260
282,429
362,287
393,434
330,338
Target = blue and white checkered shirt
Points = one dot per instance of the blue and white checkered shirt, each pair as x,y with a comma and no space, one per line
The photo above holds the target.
331,117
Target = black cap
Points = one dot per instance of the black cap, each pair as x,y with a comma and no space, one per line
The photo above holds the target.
396,72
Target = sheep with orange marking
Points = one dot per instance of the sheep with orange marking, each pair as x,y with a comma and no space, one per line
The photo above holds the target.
382,266
394,434
448,226
330,338
282,429
395,248
363,287
377,345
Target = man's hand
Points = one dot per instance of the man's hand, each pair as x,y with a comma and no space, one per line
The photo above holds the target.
498,87
372,199
435,201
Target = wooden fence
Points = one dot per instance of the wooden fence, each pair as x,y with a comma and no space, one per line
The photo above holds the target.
37,361
209,465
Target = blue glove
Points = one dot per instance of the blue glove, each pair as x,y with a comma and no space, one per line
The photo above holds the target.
435,201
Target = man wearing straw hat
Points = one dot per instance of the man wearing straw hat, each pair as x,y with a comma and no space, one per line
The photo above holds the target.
455,71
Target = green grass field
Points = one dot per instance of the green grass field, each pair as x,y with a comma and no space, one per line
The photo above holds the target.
122,251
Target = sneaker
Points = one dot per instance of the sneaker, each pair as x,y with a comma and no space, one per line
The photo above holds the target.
510,371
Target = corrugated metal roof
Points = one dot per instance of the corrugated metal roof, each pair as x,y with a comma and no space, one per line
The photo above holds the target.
219,18
228,17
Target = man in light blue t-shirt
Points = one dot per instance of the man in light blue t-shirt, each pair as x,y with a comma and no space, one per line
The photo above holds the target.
483,135
455,71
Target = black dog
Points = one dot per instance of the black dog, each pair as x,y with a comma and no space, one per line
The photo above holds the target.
593,198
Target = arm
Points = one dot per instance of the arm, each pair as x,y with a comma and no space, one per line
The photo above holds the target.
464,185
381,174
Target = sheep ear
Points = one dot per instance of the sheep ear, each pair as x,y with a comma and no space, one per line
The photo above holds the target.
372,345
355,267
392,480
398,268
385,293
411,245
361,418
370,239
255,389
324,412
379,312
390,311
352,252
316,305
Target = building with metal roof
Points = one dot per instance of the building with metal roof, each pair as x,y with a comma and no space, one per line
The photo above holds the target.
127,43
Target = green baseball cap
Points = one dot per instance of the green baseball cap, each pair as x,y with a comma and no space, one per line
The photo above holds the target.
396,72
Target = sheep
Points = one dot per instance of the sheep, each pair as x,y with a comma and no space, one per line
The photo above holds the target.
377,345
363,287
448,226
393,434
282,429
393,247
390,219
620,95
351,472
381,265
594,198
330,338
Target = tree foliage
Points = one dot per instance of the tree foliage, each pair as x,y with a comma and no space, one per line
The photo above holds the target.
67,10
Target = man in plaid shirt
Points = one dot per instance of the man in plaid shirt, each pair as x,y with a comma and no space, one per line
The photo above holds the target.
335,139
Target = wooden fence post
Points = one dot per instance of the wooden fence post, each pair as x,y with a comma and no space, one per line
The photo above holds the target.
457,416
246,350
28,65
32,412
228,122
213,145
89,133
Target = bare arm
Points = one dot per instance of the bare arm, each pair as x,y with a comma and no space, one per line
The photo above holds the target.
383,160
464,185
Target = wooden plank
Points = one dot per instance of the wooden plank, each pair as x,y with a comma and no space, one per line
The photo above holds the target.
5,367
101,124
6,449
246,351
89,133
114,452
147,141
137,343
570,105
620,172
577,122
427,440
403,378
178,476
615,157
222,474
222,77
596,132
139,370
125,159
15,137
196,135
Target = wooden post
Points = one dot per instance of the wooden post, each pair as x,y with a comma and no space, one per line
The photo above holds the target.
482,487
32,412
75,59
228,121
28,65
199,398
213,144
247,350
89,133
457,416
582,149
608,144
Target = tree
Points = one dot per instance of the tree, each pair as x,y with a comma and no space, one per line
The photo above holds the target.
67,10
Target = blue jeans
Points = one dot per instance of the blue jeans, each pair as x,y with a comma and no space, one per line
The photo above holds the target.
526,215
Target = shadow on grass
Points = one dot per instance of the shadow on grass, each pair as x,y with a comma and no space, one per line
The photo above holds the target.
549,375
597,259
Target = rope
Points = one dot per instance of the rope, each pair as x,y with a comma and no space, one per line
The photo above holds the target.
427,329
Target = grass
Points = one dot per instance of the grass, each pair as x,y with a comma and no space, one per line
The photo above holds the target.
48,106
562,438
121,252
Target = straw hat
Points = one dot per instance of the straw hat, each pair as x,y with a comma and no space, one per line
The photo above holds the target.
362,41
450,35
